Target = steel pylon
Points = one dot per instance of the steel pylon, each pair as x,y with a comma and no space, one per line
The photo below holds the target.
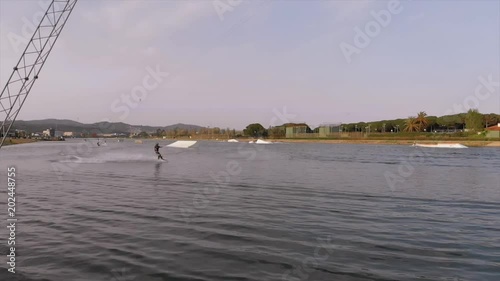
30,64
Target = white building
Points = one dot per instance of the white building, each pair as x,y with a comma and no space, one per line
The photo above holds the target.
49,132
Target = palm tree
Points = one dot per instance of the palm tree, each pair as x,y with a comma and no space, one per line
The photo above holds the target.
422,120
411,124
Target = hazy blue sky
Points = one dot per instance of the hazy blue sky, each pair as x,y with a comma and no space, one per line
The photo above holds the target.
261,57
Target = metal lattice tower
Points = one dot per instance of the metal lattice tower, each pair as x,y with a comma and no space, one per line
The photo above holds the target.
31,62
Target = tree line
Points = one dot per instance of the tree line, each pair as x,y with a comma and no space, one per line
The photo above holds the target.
180,132
472,120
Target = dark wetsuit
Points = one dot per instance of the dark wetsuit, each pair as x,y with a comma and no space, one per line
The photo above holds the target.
157,147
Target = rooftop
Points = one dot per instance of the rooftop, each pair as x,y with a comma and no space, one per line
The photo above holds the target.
494,128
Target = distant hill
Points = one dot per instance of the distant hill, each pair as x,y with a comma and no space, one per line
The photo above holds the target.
182,126
99,128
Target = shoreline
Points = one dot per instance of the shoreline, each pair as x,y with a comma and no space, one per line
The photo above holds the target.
18,141
469,143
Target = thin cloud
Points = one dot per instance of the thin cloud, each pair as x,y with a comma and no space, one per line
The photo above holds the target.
416,17
138,19
351,10
149,51
253,55
130,30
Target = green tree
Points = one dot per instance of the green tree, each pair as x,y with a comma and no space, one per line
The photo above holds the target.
491,119
474,120
277,132
183,132
451,121
411,125
432,123
255,130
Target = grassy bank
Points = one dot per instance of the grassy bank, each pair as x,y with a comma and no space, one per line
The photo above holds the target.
18,141
470,143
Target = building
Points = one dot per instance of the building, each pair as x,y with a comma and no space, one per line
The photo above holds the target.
326,130
296,130
493,131
20,134
49,133
113,135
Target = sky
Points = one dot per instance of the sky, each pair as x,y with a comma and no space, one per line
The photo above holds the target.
229,63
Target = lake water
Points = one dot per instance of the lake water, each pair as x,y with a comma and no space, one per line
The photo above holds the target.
239,211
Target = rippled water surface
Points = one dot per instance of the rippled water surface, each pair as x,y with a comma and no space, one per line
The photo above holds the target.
234,211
